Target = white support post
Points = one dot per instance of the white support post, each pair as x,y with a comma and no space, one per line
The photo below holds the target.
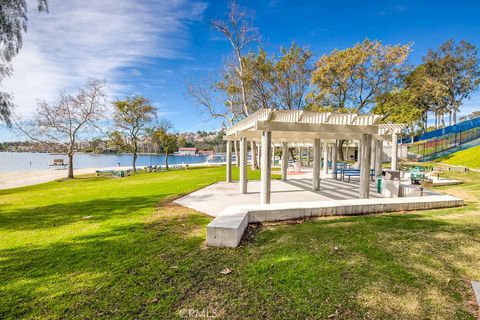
284,161
378,158
365,167
229,161
266,169
259,153
359,153
273,155
243,165
317,159
325,158
394,151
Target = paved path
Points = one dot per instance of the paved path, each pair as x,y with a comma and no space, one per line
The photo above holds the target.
27,178
10,180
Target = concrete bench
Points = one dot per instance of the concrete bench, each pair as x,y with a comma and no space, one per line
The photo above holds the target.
227,230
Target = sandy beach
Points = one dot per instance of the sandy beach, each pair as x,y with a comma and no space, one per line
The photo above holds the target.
27,178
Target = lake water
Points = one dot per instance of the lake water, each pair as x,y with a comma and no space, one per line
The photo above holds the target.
25,161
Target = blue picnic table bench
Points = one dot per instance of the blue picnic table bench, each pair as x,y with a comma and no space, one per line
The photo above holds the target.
351,173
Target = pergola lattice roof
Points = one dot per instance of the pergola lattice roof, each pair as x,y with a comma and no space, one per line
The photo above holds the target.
303,126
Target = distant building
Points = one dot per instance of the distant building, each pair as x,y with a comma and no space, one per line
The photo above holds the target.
206,152
187,151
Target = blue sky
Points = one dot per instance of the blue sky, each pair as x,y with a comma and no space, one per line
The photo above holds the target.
153,47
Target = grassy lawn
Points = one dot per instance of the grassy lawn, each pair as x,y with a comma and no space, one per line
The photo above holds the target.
116,248
469,158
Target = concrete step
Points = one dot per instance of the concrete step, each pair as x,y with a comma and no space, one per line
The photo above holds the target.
227,229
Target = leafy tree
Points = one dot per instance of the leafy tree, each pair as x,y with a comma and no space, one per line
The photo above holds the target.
457,67
166,141
259,80
68,119
132,116
291,77
428,93
182,142
279,82
353,78
13,24
97,145
400,106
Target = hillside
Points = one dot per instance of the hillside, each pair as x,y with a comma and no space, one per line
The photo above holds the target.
468,158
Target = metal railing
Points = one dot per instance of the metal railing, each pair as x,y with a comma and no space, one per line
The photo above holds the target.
450,130
444,145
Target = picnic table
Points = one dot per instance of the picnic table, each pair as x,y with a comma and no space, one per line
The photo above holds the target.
113,173
344,173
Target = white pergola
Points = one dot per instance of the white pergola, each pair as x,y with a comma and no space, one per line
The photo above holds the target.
304,128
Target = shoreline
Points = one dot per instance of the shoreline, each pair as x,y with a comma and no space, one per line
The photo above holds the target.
17,179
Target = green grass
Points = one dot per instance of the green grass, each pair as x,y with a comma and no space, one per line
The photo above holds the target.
117,248
469,158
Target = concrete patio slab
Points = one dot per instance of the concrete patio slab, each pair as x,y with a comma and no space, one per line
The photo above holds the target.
214,199
294,199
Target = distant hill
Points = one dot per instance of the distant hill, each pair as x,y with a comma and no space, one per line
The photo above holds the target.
469,158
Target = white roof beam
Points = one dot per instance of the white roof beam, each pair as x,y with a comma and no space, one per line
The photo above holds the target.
315,128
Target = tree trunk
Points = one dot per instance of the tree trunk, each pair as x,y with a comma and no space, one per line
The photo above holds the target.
253,147
450,118
70,165
442,119
134,161
166,160
340,150
455,116
235,148
425,123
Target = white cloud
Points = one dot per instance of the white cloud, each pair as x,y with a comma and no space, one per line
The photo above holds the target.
80,39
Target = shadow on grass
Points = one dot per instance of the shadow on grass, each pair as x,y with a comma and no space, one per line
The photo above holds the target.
62,214
123,271
383,266
386,266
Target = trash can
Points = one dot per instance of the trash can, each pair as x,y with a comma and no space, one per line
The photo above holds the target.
379,184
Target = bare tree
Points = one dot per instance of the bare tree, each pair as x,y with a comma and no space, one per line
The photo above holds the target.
241,34
67,120
226,108
132,116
